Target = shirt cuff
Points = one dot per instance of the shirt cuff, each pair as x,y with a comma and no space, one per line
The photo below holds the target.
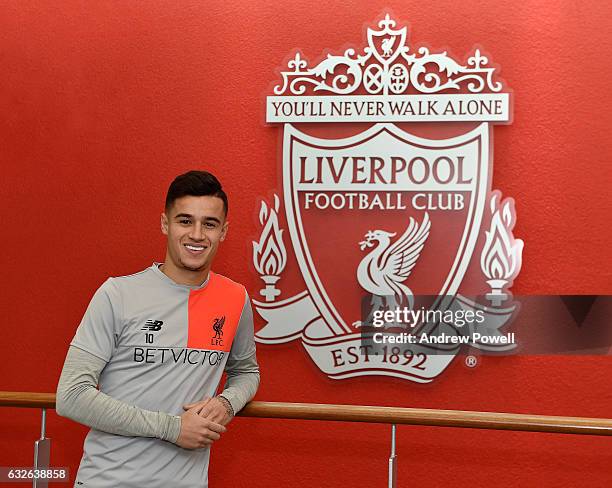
170,427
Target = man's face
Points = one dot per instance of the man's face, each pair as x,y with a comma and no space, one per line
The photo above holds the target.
194,226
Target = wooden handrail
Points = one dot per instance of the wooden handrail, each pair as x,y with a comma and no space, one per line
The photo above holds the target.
27,399
380,415
432,417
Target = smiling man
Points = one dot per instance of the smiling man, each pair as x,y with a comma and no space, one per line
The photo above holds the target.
156,343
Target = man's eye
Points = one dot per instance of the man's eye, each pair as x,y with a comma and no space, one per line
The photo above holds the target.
185,221
210,225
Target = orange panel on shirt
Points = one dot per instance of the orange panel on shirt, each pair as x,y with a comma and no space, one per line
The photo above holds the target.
214,313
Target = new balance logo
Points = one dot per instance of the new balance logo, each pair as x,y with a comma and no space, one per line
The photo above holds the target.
153,325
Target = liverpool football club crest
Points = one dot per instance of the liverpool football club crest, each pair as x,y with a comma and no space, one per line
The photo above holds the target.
405,252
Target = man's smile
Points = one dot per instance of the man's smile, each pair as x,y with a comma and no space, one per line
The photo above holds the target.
195,248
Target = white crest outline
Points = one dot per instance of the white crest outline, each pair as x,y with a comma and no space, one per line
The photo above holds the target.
322,301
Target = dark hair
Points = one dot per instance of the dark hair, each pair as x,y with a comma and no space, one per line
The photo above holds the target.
196,184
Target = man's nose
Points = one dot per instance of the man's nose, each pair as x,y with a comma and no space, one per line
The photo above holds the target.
197,232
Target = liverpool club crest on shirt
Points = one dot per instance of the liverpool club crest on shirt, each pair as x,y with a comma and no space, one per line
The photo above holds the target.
385,208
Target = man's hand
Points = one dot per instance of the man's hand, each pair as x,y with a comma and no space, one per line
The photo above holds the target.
212,409
197,431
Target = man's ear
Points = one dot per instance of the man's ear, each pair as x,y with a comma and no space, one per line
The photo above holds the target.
224,230
164,223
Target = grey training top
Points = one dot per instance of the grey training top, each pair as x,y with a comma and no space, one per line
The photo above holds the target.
165,346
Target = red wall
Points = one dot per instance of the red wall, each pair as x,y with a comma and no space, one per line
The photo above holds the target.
103,103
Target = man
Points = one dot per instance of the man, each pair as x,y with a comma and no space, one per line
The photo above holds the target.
156,343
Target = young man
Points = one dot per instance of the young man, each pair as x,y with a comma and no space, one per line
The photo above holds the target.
156,343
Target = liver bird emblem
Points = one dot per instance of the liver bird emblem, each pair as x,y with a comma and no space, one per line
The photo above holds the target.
383,271
218,327
387,46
